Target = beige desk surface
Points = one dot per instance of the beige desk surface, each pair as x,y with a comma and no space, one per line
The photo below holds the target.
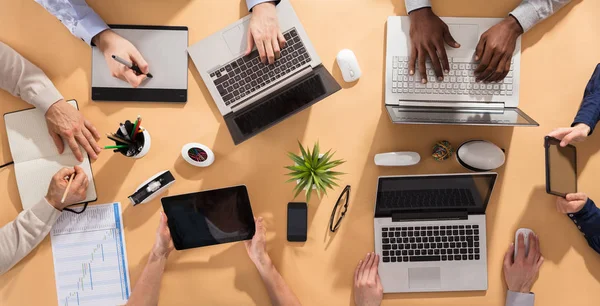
559,56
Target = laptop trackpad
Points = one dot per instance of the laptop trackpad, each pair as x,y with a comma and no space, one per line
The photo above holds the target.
424,278
467,35
236,38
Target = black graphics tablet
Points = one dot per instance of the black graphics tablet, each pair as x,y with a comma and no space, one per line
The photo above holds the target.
561,168
209,217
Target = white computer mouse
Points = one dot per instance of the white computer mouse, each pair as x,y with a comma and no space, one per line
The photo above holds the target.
348,65
397,159
480,155
526,232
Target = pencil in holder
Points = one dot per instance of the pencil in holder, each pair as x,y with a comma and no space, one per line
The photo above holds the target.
139,145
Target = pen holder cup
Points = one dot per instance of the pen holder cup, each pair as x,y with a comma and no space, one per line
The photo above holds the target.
140,148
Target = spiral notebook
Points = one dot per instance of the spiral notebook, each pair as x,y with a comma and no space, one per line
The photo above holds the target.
36,157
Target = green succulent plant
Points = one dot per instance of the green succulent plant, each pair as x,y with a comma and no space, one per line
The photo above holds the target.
311,170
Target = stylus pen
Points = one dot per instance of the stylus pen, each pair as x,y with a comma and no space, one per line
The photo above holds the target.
131,66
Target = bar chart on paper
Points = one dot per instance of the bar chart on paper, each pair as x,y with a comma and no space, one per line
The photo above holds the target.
90,263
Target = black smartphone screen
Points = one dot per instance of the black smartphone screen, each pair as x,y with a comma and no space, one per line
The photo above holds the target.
561,168
297,222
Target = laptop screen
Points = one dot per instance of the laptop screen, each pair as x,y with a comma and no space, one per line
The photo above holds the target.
470,192
427,115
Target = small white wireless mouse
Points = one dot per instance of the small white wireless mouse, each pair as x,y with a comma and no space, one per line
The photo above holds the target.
397,159
526,232
348,65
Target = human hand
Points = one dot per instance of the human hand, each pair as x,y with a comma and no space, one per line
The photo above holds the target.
264,32
573,203
368,290
569,135
428,34
521,273
164,243
59,182
110,43
257,247
495,49
64,121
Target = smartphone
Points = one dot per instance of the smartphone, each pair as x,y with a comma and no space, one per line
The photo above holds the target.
297,221
561,168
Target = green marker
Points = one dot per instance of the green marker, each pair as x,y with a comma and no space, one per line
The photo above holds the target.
116,147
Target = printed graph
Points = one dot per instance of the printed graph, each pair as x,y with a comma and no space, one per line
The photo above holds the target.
90,263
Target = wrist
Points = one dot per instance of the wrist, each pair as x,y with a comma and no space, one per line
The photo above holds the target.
514,25
264,264
584,127
420,12
158,253
54,203
101,39
264,5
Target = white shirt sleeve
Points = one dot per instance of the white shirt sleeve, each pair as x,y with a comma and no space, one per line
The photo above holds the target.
19,237
253,3
23,79
530,12
412,5
77,16
519,299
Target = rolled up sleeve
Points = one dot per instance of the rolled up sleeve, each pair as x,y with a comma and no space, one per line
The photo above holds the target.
253,3
530,12
412,5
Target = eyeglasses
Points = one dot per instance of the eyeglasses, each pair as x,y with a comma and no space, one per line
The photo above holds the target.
341,202
78,211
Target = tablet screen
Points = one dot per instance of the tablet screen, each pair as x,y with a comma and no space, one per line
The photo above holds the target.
209,217
561,176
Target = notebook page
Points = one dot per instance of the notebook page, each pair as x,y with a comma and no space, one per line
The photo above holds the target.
29,138
34,176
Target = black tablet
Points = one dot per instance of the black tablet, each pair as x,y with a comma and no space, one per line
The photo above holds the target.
561,168
209,217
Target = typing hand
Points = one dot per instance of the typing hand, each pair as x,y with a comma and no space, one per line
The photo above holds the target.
164,243
495,49
570,135
521,273
257,247
264,33
59,182
66,122
428,34
573,203
368,290
110,43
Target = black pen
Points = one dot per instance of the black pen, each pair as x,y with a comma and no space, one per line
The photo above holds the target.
131,66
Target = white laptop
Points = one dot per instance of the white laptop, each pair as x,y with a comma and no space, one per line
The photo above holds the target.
430,232
253,96
458,99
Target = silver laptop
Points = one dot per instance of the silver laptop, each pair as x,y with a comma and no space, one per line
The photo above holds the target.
253,96
430,232
457,100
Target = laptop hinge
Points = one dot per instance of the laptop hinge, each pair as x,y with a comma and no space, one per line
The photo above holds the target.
453,104
429,216
274,87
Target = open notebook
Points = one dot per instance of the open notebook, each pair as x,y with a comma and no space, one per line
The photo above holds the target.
36,157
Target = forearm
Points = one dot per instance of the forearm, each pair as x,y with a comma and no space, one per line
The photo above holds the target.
22,235
279,292
253,3
589,111
587,221
519,299
147,288
530,12
412,5
77,16
23,79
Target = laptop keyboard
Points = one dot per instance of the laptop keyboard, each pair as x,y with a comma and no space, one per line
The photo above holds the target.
426,198
246,75
459,81
278,107
430,243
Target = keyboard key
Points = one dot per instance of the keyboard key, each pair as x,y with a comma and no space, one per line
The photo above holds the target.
385,240
384,234
470,257
393,259
424,258
476,257
386,246
456,257
386,259
386,253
